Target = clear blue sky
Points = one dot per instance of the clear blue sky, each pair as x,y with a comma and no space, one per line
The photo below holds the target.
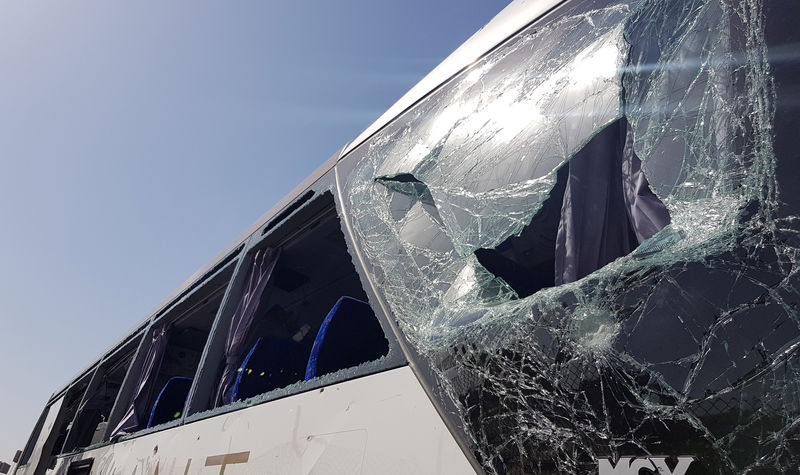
139,138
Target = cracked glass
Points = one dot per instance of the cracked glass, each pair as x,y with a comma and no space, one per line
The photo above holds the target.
682,342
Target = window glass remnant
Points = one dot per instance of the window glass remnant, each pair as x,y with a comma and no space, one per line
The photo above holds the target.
686,344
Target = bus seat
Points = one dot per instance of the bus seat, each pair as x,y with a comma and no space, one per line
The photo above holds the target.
271,364
170,401
349,335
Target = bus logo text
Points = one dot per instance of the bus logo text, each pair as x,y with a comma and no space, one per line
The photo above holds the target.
631,465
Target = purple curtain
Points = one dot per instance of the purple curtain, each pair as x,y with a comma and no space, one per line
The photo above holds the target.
243,318
139,410
608,208
647,213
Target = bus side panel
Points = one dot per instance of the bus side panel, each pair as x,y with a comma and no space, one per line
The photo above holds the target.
383,423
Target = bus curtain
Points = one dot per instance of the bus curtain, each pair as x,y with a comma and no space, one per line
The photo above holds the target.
242,321
139,409
608,207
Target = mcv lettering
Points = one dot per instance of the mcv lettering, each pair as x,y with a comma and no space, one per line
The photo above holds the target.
631,465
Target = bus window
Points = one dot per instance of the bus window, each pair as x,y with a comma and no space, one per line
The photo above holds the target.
302,312
53,427
67,414
35,449
90,423
170,359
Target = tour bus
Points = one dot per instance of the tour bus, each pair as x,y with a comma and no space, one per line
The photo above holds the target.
571,248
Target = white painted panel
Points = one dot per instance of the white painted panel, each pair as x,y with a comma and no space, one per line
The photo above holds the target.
379,424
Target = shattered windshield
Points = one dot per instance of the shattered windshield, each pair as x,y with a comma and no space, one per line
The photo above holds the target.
580,235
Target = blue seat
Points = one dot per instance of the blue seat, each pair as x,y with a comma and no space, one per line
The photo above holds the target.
170,401
272,363
349,335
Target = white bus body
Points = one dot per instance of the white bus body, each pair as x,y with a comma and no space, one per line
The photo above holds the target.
569,249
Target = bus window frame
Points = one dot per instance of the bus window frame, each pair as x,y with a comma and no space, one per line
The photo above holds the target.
165,316
125,350
276,233
44,436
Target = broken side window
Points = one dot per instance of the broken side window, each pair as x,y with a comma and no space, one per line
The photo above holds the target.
302,312
53,427
39,443
171,357
91,419
68,409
